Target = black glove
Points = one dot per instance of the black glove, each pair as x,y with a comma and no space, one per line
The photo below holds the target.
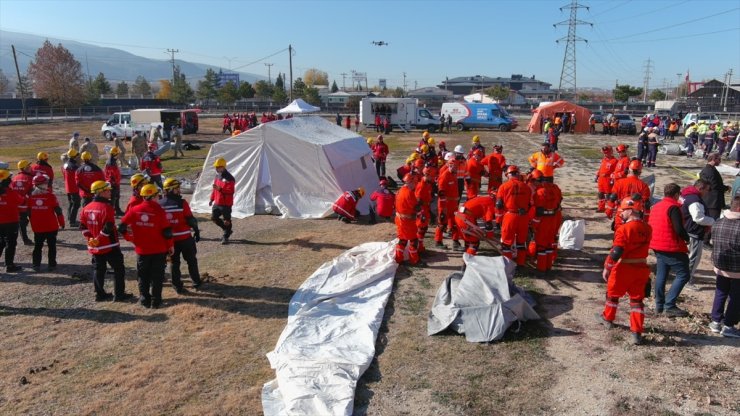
648,288
122,228
197,236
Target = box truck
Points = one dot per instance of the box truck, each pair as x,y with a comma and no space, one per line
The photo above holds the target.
467,116
404,113
124,124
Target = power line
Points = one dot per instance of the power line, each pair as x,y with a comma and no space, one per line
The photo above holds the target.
173,52
261,59
681,37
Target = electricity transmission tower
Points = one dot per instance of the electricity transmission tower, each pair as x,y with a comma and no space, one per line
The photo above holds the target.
568,73
646,81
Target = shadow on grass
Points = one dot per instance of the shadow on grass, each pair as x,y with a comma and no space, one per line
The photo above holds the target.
64,275
101,316
300,242
259,302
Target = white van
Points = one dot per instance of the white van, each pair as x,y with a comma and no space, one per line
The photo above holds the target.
119,123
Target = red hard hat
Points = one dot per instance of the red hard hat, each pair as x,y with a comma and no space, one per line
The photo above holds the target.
383,182
478,152
607,149
512,169
631,203
40,179
411,178
622,147
635,165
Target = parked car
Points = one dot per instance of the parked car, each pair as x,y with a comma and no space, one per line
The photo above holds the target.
696,118
626,123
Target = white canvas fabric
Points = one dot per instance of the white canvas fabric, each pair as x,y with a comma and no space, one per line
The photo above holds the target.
298,106
572,234
481,303
329,340
296,167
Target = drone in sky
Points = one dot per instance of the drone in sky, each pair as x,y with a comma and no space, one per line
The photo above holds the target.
380,43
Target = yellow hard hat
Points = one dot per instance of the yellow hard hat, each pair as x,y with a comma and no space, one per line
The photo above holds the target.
425,134
219,163
476,139
361,191
4,174
171,183
86,156
42,156
72,153
369,140
424,148
431,141
136,179
149,190
100,186
413,156
23,163
115,151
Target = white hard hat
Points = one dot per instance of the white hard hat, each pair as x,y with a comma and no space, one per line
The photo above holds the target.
459,149
449,156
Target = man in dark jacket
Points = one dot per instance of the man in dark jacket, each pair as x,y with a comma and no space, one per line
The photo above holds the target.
715,199
696,222
726,260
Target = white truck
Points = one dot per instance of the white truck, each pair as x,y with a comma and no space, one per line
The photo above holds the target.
404,113
666,108
125,124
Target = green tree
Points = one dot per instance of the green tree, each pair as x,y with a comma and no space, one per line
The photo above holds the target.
181,91
246,90
141,87
263,89
57,76
279,96
657,95
279,83
398,93
228,94
100,85
299,87
23,87
207,88
4,82
122,89
497,92
624,92
334,87
311,96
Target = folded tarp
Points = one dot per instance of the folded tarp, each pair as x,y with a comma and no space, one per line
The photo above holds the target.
481,303
329,341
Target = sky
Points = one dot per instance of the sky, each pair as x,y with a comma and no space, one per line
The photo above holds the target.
427,40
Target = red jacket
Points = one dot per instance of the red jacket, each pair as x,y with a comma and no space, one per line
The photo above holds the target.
380,151
133,201
10,201
223,189
113,173
148,228
86,175
22,183
177,211
620,170
69,171
151,164
97,220
664,236
44,168
385,201
346,205
44,212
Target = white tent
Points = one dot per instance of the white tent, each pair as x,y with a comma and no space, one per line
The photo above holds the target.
298,106
297,166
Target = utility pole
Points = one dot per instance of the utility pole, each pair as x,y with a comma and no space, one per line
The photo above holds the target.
269,77
404,82
20,86
678,84
568,73
646,82
344,75
726,92
173,52
290,61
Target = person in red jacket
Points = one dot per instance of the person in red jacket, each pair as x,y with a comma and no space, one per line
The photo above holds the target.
113,177
447,203
10,201
546,223
42,167
495,164
604,176
46,219
467,221
346,205
22,183
69,172
97,222
151,165
514,197
384,200
226,124
626,269
147,226
380,153
476,171
423,193
87,174
407,208
182,221
378,124
348,122
222,198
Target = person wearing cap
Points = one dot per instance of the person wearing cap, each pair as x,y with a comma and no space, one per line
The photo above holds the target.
423,192
117,142
113,177
384,200
74,141
669,244
89,146
476,171
652,147
137,181
22,182
97,223
182,222
42,167
628,187
546,200
87,174
546,161
604,176
222,198
626,270
10,203
69,172
514,197
151,165
407,209
147,227
461,170
476,146
139,147
495,163
346,205
380,154
177,139
155,135
46,219
466,219
447,203
691,137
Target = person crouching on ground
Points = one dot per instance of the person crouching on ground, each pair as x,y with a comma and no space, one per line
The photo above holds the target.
384,200
346,205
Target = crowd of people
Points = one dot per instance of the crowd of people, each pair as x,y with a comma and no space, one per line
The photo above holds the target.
240,122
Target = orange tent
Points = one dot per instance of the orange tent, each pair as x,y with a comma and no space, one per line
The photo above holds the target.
558,108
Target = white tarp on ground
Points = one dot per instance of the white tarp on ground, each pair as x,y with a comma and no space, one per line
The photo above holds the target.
329,341
298,106
297,167
481,303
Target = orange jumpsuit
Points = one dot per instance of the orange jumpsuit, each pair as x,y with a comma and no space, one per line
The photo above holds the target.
406,205
546,223
620,172
513,197
472,181
604,179
626,188
495,163
467,217
462,173
446,204
629,272
423,194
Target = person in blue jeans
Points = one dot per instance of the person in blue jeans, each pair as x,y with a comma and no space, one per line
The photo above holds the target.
726,260
669,243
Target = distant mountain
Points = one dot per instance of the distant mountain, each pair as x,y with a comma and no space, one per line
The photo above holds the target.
117,65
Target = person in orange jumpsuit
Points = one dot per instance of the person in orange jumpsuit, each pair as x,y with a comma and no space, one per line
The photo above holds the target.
604,176
629,186
626,269
407,207
620,172
495,164
475,172
462,169
546,223
546,161
423,194
514,197
467,217
447,203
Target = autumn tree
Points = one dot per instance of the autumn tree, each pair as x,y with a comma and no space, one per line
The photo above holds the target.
141,86
353,103
165,89
4,82
228,93
207,88
246,90
57,76
314,76
122,89
624,92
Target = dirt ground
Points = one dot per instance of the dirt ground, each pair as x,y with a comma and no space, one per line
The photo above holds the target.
204,352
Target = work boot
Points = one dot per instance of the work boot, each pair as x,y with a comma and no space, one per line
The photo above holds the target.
438,244
145,301
36,267
636,338
156,303
103,297
27,242
180,290
676,312
456,246
123,298
13,268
